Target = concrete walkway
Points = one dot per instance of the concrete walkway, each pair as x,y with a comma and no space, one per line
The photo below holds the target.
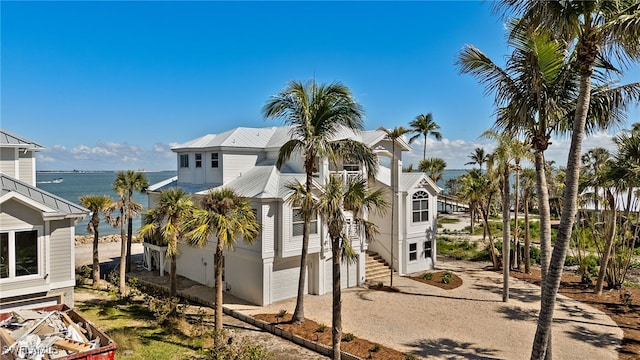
470,322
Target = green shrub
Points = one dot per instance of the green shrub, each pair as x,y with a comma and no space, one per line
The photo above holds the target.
347,337
534,254
571,260
375,348
446,277
410,357
460,249
427,276
321,328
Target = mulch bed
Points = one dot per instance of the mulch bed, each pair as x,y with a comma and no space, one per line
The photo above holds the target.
436,280
310,331
610,302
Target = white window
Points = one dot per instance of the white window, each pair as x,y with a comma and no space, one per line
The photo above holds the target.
214,160
19,254
420,207
298,223
413,252
198,160
184,160
427,249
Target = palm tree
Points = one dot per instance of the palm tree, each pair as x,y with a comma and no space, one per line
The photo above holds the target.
599,28
433,167
478,156
97,204
316,114
167,219
227,216
337,199
594,162
128,182
423,125
528,191
393,136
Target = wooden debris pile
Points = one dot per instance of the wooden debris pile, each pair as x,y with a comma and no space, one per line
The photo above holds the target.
30,334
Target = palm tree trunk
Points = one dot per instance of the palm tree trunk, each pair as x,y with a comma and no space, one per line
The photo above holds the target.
298,313
611,233
336,331
218,299
527,240
552,281
173,286
394,181
129,234
506,237
123,254
492,248
424,148
516,240
96,259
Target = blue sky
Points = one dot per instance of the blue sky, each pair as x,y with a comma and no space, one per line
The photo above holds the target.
113,85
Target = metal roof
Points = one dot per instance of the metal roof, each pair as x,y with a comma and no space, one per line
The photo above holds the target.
58,205
9,139
274,137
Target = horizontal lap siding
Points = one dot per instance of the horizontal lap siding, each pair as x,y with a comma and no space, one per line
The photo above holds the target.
60,251
7,162
285,278
17,216
22,285
25,169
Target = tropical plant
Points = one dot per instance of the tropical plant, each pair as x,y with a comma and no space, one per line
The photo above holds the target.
433,167
168,220
478,156
338,197
97,205
227,216
393,135
316,114
128,182
598,29
528,191
423,125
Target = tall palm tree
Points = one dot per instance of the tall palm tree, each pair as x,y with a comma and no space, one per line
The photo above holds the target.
337,199
393,135
316,114
423,125
599,28
433,167
227,216
594,162
528,191
128,182
478,156
98,205
168,219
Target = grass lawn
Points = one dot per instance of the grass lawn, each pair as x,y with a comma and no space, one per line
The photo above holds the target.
134,327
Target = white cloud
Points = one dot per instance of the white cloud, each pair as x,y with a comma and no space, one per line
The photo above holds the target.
107,156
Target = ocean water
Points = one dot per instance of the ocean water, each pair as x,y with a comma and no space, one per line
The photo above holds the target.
76,184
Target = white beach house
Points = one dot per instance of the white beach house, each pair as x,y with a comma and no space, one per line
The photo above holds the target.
37,231
244,159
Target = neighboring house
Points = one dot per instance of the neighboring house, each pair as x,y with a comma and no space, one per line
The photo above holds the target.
243,159
37,231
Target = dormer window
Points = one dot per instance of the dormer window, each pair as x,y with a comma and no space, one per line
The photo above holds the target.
420,208
198,160
214,160
184,160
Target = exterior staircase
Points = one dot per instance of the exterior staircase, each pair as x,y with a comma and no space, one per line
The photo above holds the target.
376,266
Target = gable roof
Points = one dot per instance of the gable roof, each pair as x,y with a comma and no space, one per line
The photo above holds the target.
274,137
51,205
9,139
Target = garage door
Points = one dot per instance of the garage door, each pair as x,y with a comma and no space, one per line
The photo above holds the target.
285,279
348,275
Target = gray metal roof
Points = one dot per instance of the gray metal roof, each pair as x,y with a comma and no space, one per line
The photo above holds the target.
273,137
58,205
9,139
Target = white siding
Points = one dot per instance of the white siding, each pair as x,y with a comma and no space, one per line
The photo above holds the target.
8,162
61,251
212,175
236,164
26,171
267,215
16,215
196,263
292,245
